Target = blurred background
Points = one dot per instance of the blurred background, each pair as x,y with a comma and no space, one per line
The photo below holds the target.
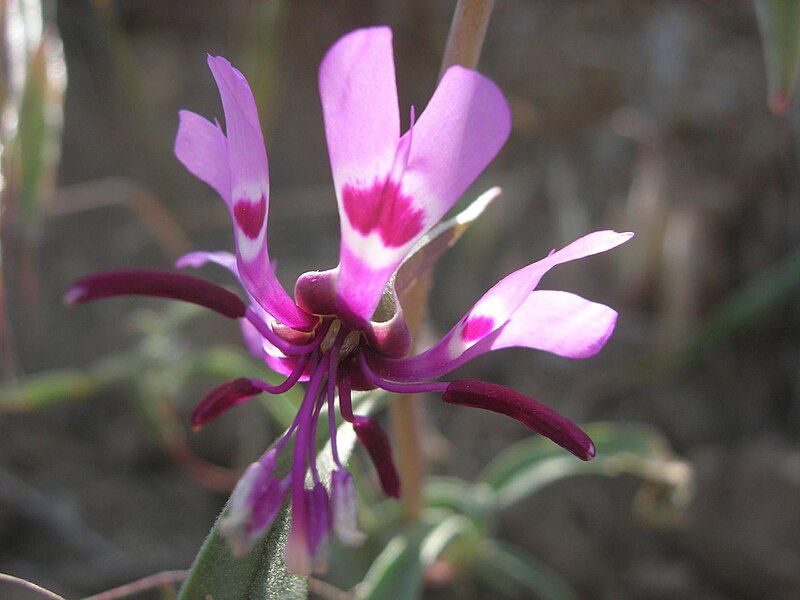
643,116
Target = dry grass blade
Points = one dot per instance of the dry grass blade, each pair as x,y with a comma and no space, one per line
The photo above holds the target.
31,587
165,579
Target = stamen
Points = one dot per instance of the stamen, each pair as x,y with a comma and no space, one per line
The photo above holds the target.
436,387
254,504
537,416
345,512
288,348
221,399
345,398
288,383
298,556
332,371
374,439
163,284
312,433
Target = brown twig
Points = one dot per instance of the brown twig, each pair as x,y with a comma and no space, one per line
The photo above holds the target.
467,32
118,191
163,579
31,587
209,475
57,517
328,591
464,44
7,354
8,362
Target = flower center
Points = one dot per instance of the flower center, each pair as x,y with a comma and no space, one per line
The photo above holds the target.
349,341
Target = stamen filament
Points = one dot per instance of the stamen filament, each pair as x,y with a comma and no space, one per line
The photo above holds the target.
345,399
436,387
288,348
332,372
304,421
312,434
289,382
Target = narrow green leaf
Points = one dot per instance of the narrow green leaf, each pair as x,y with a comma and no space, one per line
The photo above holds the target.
510,570
396,574
261,574
65,385
473,500
779,22
446,534
534,463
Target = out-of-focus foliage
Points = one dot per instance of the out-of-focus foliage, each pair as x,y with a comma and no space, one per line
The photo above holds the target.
454,542
779,21
33,77
159,368
692,197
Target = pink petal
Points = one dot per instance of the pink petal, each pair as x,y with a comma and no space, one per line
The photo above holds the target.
247,156
253,340
280,363
249,197
461,130
359,104
256,344
202,148
463,127
558,322
498,304
198,259
498,307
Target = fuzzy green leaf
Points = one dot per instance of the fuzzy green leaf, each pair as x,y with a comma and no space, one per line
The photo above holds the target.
261,574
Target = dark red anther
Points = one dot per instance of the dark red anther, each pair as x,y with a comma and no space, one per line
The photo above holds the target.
537,416
221,399
375,440
164,284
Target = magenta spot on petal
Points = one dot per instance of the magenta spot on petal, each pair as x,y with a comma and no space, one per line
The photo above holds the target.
385,209
476,327
249,216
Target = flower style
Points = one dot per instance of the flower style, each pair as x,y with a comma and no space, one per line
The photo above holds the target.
345,330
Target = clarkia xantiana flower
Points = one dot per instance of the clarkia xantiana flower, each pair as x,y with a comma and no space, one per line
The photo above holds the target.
344,329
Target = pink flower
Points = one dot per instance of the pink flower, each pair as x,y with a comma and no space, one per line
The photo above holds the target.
345,328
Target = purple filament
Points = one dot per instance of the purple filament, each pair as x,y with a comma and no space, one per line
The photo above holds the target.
288,383
288,348
436,387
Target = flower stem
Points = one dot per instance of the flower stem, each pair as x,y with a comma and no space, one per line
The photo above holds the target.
467,32
464,44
